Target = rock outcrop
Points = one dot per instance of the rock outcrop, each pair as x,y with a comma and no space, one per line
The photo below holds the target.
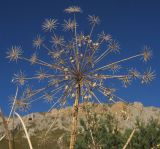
126,114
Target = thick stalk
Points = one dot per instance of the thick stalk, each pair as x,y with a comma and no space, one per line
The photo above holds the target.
75,119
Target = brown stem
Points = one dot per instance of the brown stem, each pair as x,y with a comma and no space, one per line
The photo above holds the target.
129,139
6,130
75,119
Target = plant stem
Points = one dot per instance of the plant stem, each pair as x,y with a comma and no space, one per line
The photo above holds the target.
13,131
6,130
25,130
129,139
75,119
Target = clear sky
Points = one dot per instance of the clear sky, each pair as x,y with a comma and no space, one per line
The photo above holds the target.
134,23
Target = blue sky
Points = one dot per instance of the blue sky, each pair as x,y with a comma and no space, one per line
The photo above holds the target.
133,23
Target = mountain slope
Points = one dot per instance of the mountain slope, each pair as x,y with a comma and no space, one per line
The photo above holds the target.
38,123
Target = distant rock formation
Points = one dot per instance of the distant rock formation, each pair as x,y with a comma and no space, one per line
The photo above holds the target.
126,115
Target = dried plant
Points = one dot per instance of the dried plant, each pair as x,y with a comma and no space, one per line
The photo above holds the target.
25,130
7,131
73,68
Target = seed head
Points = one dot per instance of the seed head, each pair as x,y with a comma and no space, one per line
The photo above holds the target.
57,41
148,76
93,20
14,53
147,54
41,74
19,78
73,9
114,46
105,37
28,92
37,42
22,105
49,25
115,68
69,25
33,58
109,91
126,80
134,73
48,97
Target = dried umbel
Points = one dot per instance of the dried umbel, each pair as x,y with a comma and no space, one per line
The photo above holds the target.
37,42
20,104
73,9
73,68
69,25
49,25
14,53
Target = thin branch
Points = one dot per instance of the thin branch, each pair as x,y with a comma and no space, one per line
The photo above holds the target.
122,60
24,127
129,139
12,108
105,53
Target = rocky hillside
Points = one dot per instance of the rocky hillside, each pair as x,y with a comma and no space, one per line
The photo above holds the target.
38,123
125,114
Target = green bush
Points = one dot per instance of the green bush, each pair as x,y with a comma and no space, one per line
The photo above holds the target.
147,135
101,132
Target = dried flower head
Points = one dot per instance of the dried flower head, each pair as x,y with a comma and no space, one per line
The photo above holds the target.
93,20
38,41
69,25
22,105
126,80
134,73
33,58
41,74
147,53
57,41
49,25
19,78
148,76
109,91
73,9
105,37
80,38
115,68
114,46
14,53
28,92
48,97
